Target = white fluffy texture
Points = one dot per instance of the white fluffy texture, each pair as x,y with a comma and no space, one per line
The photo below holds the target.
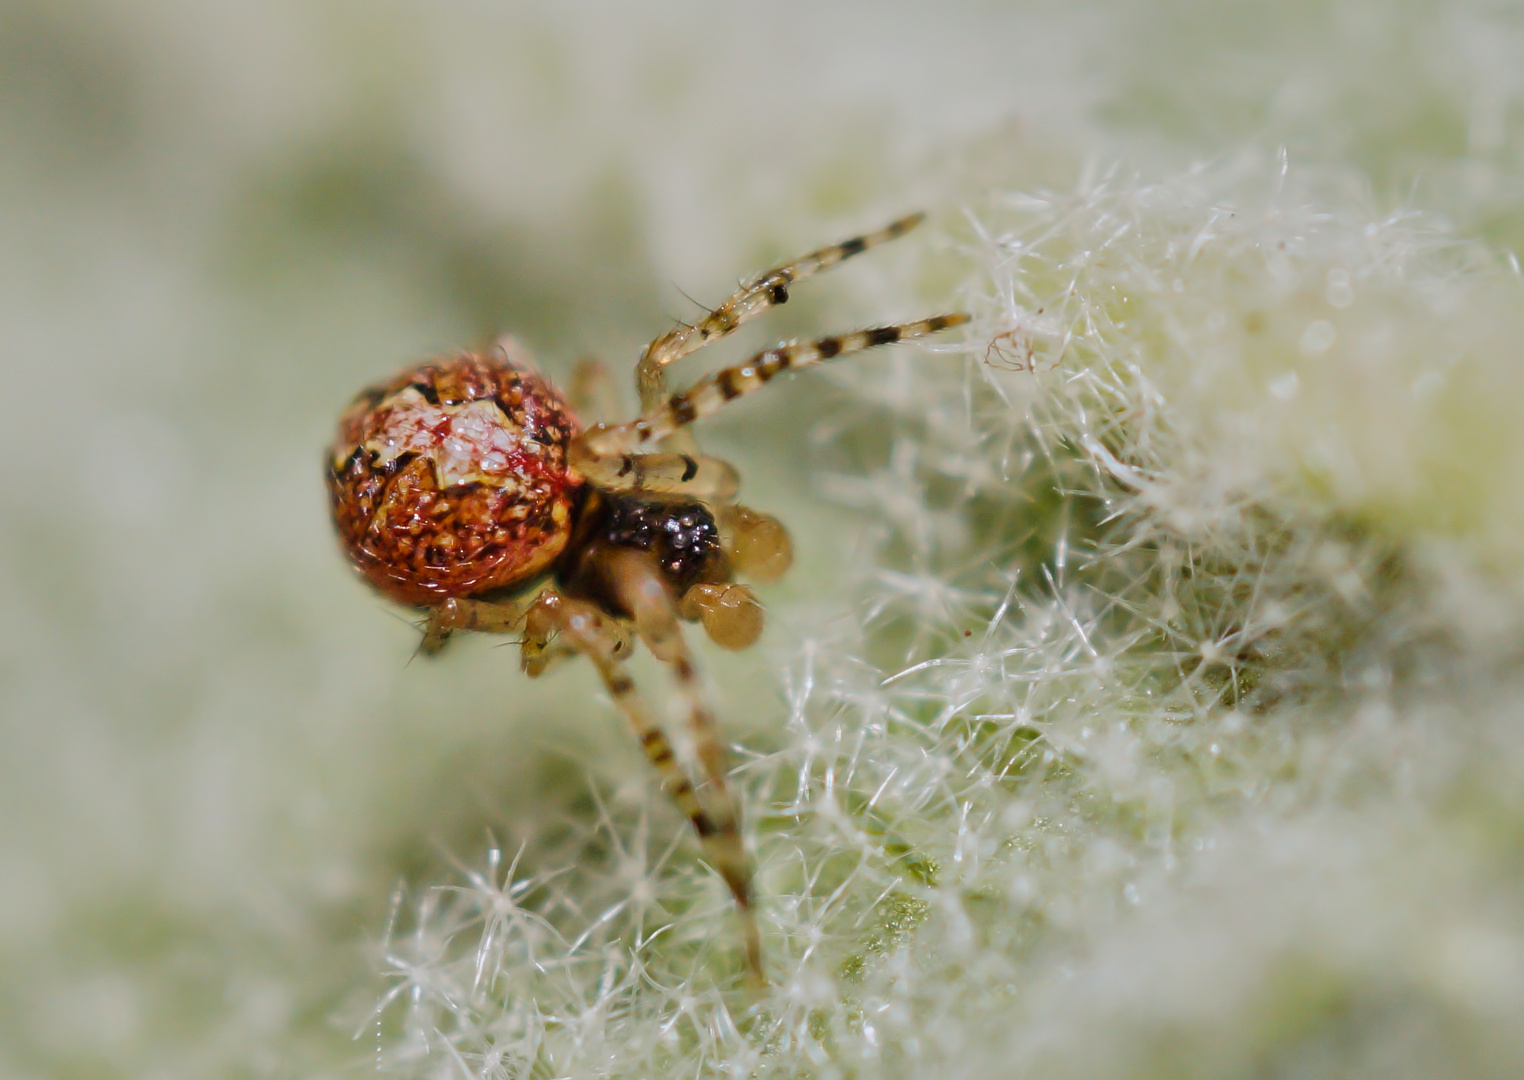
1144,703
1155,812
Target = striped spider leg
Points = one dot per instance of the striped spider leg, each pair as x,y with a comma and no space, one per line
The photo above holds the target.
616,458
768,290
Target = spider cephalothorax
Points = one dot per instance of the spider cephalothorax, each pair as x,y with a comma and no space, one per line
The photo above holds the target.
466,487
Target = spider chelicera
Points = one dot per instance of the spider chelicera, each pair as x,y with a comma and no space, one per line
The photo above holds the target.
466,487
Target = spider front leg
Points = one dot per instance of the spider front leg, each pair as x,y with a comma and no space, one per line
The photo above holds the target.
748,302
595,400
613,458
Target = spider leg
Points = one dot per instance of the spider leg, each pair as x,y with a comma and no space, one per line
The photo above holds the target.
695,476
679,469
638,585
585,628
606,455
483,616
750,301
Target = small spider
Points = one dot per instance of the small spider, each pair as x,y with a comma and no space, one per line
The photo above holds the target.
466,487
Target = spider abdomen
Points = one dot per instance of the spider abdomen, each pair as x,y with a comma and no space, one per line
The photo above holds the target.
451,479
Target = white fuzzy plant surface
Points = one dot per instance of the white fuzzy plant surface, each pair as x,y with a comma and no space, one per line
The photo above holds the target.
1152,736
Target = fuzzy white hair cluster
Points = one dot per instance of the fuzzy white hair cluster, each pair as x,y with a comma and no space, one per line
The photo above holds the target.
1163,743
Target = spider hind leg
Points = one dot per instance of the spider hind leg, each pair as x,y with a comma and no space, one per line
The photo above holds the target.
643,590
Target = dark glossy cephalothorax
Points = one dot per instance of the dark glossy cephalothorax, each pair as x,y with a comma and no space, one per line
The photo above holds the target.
467,487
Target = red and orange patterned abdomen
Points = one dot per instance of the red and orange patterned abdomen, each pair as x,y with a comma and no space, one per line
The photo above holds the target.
451,479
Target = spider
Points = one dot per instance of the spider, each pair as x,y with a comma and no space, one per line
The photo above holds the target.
466,487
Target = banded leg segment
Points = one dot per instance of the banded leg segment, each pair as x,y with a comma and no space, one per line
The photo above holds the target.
750,301
581,626
696,476
642,591
711,392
